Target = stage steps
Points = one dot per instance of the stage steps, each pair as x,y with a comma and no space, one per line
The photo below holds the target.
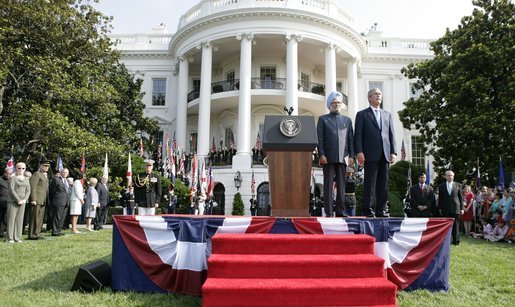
296,270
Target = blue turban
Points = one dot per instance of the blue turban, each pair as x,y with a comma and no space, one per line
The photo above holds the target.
332,96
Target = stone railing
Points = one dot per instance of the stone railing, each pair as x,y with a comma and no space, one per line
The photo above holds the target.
329,8
399,45
141,41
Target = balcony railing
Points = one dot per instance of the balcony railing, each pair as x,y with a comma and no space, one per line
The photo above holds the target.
258,83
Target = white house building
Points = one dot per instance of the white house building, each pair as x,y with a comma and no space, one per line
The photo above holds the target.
232,62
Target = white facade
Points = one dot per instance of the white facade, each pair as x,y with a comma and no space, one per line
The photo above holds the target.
230,63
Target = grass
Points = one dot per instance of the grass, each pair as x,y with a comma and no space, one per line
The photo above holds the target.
41,273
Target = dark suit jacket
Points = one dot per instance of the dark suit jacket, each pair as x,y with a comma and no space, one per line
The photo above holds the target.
58,194
371,140
335,137
39,188
149,195
421,198
103,194
450,204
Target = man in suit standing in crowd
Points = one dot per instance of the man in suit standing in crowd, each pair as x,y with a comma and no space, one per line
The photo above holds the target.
335,144
38,199
103,198
59,197
4,198
147,190
421,198
450,203
374,143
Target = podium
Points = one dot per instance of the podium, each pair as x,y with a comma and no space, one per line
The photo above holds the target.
289,142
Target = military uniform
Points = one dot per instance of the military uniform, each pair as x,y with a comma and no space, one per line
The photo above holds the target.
147,191
38,199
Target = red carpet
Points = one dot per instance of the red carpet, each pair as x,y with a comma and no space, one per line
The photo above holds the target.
296,270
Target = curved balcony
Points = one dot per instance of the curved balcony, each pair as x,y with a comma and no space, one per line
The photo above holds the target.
258,83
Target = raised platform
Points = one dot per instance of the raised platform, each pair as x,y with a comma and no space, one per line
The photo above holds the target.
169,253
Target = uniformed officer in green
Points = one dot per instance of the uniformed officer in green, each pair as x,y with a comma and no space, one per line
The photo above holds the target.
38,197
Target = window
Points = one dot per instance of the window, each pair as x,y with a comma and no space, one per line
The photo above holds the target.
414,93
375,84
158,91
229,77
193,142
229,138
267,76
339,86
160,137
305,80
379,85
418,151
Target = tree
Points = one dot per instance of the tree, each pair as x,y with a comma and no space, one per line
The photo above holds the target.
466,110
62,87
237,205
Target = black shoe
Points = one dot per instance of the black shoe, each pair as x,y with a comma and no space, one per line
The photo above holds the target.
34,238
456,243
56,234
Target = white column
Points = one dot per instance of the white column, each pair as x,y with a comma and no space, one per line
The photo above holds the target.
182,104
330,69
352,95
243,158
292,72
204,113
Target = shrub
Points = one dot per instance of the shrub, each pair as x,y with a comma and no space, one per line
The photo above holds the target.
237,205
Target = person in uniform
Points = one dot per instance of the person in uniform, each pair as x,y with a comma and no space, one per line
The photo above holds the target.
38,199
128,201
253,206
172,205
147,190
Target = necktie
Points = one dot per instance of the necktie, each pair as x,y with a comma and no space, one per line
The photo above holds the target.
378,118
421,187
65,182
449,187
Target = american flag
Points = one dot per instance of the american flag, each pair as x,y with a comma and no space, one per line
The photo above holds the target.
203,178
174,143
194,173
403,152
211,183
253,184
182,168
141,147
258,142
59,166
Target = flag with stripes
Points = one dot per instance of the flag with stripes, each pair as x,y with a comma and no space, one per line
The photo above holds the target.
403,152
253,184
258,142
129,170
141,149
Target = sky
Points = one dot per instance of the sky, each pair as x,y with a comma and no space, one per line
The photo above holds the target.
396,18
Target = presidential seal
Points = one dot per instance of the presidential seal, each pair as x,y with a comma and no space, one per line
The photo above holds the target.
290,126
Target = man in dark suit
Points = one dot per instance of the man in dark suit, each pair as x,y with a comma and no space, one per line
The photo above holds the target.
38,200
335,143
375,147
4,198
421,198
147,190
59,197
103,198
450,203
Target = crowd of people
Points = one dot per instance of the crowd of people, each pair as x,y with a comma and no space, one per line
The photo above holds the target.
488,214
59,201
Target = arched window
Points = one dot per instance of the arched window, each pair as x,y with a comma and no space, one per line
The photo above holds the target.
263,199
219,194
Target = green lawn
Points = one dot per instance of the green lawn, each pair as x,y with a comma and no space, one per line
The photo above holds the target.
41,273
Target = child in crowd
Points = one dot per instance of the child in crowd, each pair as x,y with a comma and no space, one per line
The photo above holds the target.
487,228
499,231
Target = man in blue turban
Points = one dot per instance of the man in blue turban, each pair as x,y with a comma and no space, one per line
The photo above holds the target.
335,144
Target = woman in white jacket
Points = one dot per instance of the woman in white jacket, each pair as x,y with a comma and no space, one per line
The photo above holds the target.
76,202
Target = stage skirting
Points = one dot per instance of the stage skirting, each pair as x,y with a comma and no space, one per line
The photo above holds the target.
169,253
